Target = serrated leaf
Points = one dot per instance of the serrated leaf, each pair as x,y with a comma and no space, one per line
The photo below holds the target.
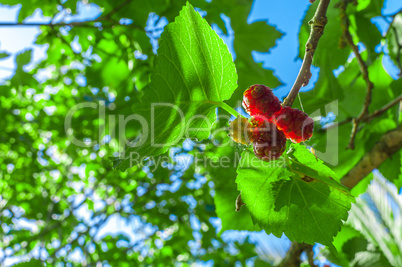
251,73
258,36
307,160
194,73
282,199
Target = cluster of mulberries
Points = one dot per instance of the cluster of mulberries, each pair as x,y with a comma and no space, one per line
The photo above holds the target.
295,124
270,124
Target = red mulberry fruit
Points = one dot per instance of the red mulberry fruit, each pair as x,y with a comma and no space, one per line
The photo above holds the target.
295,124
259,100
269,142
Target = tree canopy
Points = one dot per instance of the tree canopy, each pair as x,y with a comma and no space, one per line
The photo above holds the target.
115,149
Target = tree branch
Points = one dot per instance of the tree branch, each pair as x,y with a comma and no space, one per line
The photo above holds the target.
389,143
363,69
383,109
292,257
373,115
317,24
310,256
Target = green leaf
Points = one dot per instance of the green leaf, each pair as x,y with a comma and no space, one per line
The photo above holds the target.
226,194
4,55
306,158
392,168
112,71
225,199
72,5
251,73
23,58
257,36
194,73
370,8
328,53
354,250
304,202
21,77
369,34
394,39
382,93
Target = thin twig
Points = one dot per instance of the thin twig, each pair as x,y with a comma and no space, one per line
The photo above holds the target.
363,69
317,24
336,124
82,24
383,109
370,117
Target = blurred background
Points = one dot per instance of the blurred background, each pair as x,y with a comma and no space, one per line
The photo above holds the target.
65,205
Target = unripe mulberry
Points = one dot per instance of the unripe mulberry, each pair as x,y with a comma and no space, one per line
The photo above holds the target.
240,131
259,100
269,142
295,124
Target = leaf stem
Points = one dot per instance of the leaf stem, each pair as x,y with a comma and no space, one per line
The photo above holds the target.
229,109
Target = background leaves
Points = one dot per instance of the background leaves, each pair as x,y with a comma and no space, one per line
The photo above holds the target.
57,199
